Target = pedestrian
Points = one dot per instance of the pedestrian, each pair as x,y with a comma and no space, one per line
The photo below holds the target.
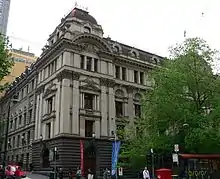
90,174
78,173
146,174
70,173
60,173
18,173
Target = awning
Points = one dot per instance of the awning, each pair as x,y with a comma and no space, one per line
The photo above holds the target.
200,156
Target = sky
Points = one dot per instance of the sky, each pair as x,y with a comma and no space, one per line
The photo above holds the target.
150,25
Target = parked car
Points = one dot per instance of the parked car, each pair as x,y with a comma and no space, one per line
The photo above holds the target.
10,171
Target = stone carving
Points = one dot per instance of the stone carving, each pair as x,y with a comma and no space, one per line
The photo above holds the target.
103,82
68,74
91,48
119,93
90,85
76,75
111,83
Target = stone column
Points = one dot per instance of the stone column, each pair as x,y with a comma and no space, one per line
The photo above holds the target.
92,64
120,72
40,114
65,106
57,103
95,102
37,118
97,129
76,105
85,62
111,109
130,103
98,103
104,125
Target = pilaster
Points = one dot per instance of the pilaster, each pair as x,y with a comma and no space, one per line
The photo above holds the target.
37,118
76,106
58,97
104,110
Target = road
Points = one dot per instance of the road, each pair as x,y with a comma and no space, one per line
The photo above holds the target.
35,176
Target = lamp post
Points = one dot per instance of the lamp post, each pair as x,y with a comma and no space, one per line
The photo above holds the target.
152,158
55,159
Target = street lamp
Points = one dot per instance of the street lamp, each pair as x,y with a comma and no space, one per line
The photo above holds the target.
55,158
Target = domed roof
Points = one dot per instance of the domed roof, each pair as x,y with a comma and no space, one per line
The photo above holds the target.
82,15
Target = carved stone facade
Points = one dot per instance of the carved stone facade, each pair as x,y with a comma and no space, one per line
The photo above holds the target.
85,84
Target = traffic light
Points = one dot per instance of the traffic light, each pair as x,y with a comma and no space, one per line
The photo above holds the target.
149,159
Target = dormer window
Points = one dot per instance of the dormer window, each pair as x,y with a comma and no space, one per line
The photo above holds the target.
87,29
58,35
134,54
116,49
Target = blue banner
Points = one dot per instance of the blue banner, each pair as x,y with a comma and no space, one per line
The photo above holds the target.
115,152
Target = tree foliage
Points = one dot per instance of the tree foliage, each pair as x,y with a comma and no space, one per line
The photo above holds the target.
184,106
6,62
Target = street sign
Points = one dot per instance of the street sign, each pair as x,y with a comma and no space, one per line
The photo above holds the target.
176,147
175,158
120,171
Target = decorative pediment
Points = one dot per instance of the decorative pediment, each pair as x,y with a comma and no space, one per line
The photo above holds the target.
94,40
50,90
89,84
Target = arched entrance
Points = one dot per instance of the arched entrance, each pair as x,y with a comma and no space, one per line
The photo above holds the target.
45,158
90,152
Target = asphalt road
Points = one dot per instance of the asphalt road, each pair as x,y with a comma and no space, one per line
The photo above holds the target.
35,176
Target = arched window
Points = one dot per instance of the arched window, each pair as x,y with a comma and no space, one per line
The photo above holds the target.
87,29
134,54
116,49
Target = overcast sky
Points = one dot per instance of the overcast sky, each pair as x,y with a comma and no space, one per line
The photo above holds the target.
151,25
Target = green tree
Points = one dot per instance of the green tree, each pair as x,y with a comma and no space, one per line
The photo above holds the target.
6,62
184,106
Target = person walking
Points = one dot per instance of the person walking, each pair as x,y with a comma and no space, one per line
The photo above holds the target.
146,173
18,173
78,173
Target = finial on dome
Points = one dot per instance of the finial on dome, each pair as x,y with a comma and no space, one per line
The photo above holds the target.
76,4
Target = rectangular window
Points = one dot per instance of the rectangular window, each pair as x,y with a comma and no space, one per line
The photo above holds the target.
11,124
30,115
117,72
137,109
136,76
88,128
15,123
50,105
13,142
20,120
119,108
48,130
82,62
89,63
28,137
142,77
18,140
32,84
124,75
88,98
96,65
25,118
23,139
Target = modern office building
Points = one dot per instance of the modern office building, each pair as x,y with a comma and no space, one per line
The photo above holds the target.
22,60
72,100
4,13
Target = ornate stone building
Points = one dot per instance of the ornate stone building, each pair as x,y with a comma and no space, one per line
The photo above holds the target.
82,85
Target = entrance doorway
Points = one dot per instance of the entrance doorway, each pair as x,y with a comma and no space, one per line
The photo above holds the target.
90,158
45,158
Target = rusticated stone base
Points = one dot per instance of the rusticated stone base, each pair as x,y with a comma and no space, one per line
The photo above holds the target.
69,154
